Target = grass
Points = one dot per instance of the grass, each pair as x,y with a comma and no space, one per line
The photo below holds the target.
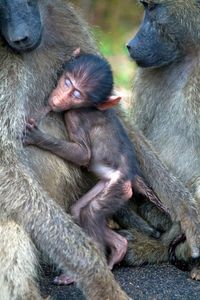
113,47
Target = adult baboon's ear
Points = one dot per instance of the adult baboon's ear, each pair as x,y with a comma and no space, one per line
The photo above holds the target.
76,52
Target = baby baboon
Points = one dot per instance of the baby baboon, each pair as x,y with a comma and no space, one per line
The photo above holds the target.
99,142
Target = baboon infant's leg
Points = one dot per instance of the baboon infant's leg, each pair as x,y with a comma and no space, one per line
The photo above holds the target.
86,199
91,212
63,279
94,192
93,217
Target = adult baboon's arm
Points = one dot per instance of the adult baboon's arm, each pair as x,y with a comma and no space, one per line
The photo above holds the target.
54,232
171,191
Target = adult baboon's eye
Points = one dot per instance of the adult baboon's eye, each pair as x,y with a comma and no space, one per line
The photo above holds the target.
144,3
32,2
152,6
148,5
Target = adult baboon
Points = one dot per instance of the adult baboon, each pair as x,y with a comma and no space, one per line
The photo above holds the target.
167,97
36,38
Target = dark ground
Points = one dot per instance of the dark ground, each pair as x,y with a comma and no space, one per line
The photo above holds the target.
156,282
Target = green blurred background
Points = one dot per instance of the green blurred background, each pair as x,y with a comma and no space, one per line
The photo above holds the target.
114,22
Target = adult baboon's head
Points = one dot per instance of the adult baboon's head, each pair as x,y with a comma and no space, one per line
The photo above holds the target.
169,31
20,24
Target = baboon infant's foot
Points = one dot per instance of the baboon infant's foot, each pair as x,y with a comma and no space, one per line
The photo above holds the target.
195,273
118,251
63,280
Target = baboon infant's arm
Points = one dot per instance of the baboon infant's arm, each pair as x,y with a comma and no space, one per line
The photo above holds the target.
76,152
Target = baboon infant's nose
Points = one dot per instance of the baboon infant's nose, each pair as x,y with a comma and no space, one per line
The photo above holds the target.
55,101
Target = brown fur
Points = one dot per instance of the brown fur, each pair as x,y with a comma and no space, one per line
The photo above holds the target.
166,110
31,178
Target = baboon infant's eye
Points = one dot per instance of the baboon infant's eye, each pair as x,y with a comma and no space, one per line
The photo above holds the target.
68,83
77,94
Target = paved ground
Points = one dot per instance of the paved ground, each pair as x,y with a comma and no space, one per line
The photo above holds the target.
163,282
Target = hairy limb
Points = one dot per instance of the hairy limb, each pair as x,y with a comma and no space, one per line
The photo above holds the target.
173,194
140,186
76,153
18,263
111,196
143,249
51,229
101,233
154,216
86,199
118,246
126,217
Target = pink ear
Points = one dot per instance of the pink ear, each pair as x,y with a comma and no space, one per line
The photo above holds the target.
76,52
110,102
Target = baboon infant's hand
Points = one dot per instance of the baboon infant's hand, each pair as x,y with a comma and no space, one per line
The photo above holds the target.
31,135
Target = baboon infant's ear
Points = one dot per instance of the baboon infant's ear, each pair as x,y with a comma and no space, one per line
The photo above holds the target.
109,103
